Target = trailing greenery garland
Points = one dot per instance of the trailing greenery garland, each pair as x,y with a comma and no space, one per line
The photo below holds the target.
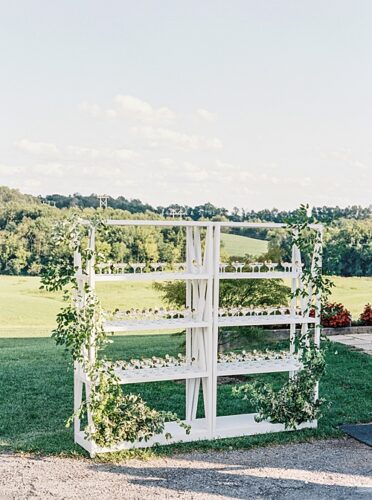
116,417
307,239
296,402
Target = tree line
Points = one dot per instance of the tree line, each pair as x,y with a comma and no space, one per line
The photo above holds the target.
26,225
207,210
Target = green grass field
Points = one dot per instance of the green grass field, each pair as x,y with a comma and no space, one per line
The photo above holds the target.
354,293
27,311
239,246
36,395
36,392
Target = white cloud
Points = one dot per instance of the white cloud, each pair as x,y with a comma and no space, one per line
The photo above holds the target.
166,162
141,110
9,170
111,113
37,148
131,107
206,115
157,137
50,169
90,109
194,172
87,153
346,157
360,165
123,154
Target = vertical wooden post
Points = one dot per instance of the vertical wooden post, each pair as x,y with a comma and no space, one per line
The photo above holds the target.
91,283
189,300
292,327
208,331
296,264
78,386
216,301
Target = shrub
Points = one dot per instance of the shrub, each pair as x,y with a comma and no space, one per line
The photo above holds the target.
366,316
243,293
335,316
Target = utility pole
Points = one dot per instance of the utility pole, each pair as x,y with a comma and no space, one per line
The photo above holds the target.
102,200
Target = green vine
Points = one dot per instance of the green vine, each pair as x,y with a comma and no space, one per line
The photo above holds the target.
77,323
115,417
308,238
118,417
296,402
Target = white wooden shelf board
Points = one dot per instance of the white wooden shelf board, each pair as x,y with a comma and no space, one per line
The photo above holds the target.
256,275
157,276
245,425
166,324
291,363
262,320
226,427
199,430
164,373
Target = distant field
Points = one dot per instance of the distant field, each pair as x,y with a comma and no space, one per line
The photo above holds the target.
354,293
26,311
236,245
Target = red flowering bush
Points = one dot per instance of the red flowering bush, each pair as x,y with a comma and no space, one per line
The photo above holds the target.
334,316
366,316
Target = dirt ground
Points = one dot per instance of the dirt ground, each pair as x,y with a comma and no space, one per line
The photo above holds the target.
334,469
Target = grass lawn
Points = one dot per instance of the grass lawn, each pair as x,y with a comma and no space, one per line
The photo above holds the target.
36,395
27,311
353,292
239,246
36,389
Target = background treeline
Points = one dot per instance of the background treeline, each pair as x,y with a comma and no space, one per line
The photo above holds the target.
207,210
26,225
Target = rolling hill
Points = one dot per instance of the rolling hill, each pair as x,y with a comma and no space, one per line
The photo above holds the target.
236,245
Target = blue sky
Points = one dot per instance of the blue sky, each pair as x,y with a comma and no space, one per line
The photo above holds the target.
241,103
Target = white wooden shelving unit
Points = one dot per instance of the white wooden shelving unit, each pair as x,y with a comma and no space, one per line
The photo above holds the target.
198,275
239,425
202,275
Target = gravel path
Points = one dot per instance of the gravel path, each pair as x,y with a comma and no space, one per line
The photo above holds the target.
335,469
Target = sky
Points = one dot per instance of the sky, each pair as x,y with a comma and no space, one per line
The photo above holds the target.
246,103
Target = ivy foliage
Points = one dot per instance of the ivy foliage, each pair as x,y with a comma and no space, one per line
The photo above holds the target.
309,241
77,324
296,402
113,416
118,417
